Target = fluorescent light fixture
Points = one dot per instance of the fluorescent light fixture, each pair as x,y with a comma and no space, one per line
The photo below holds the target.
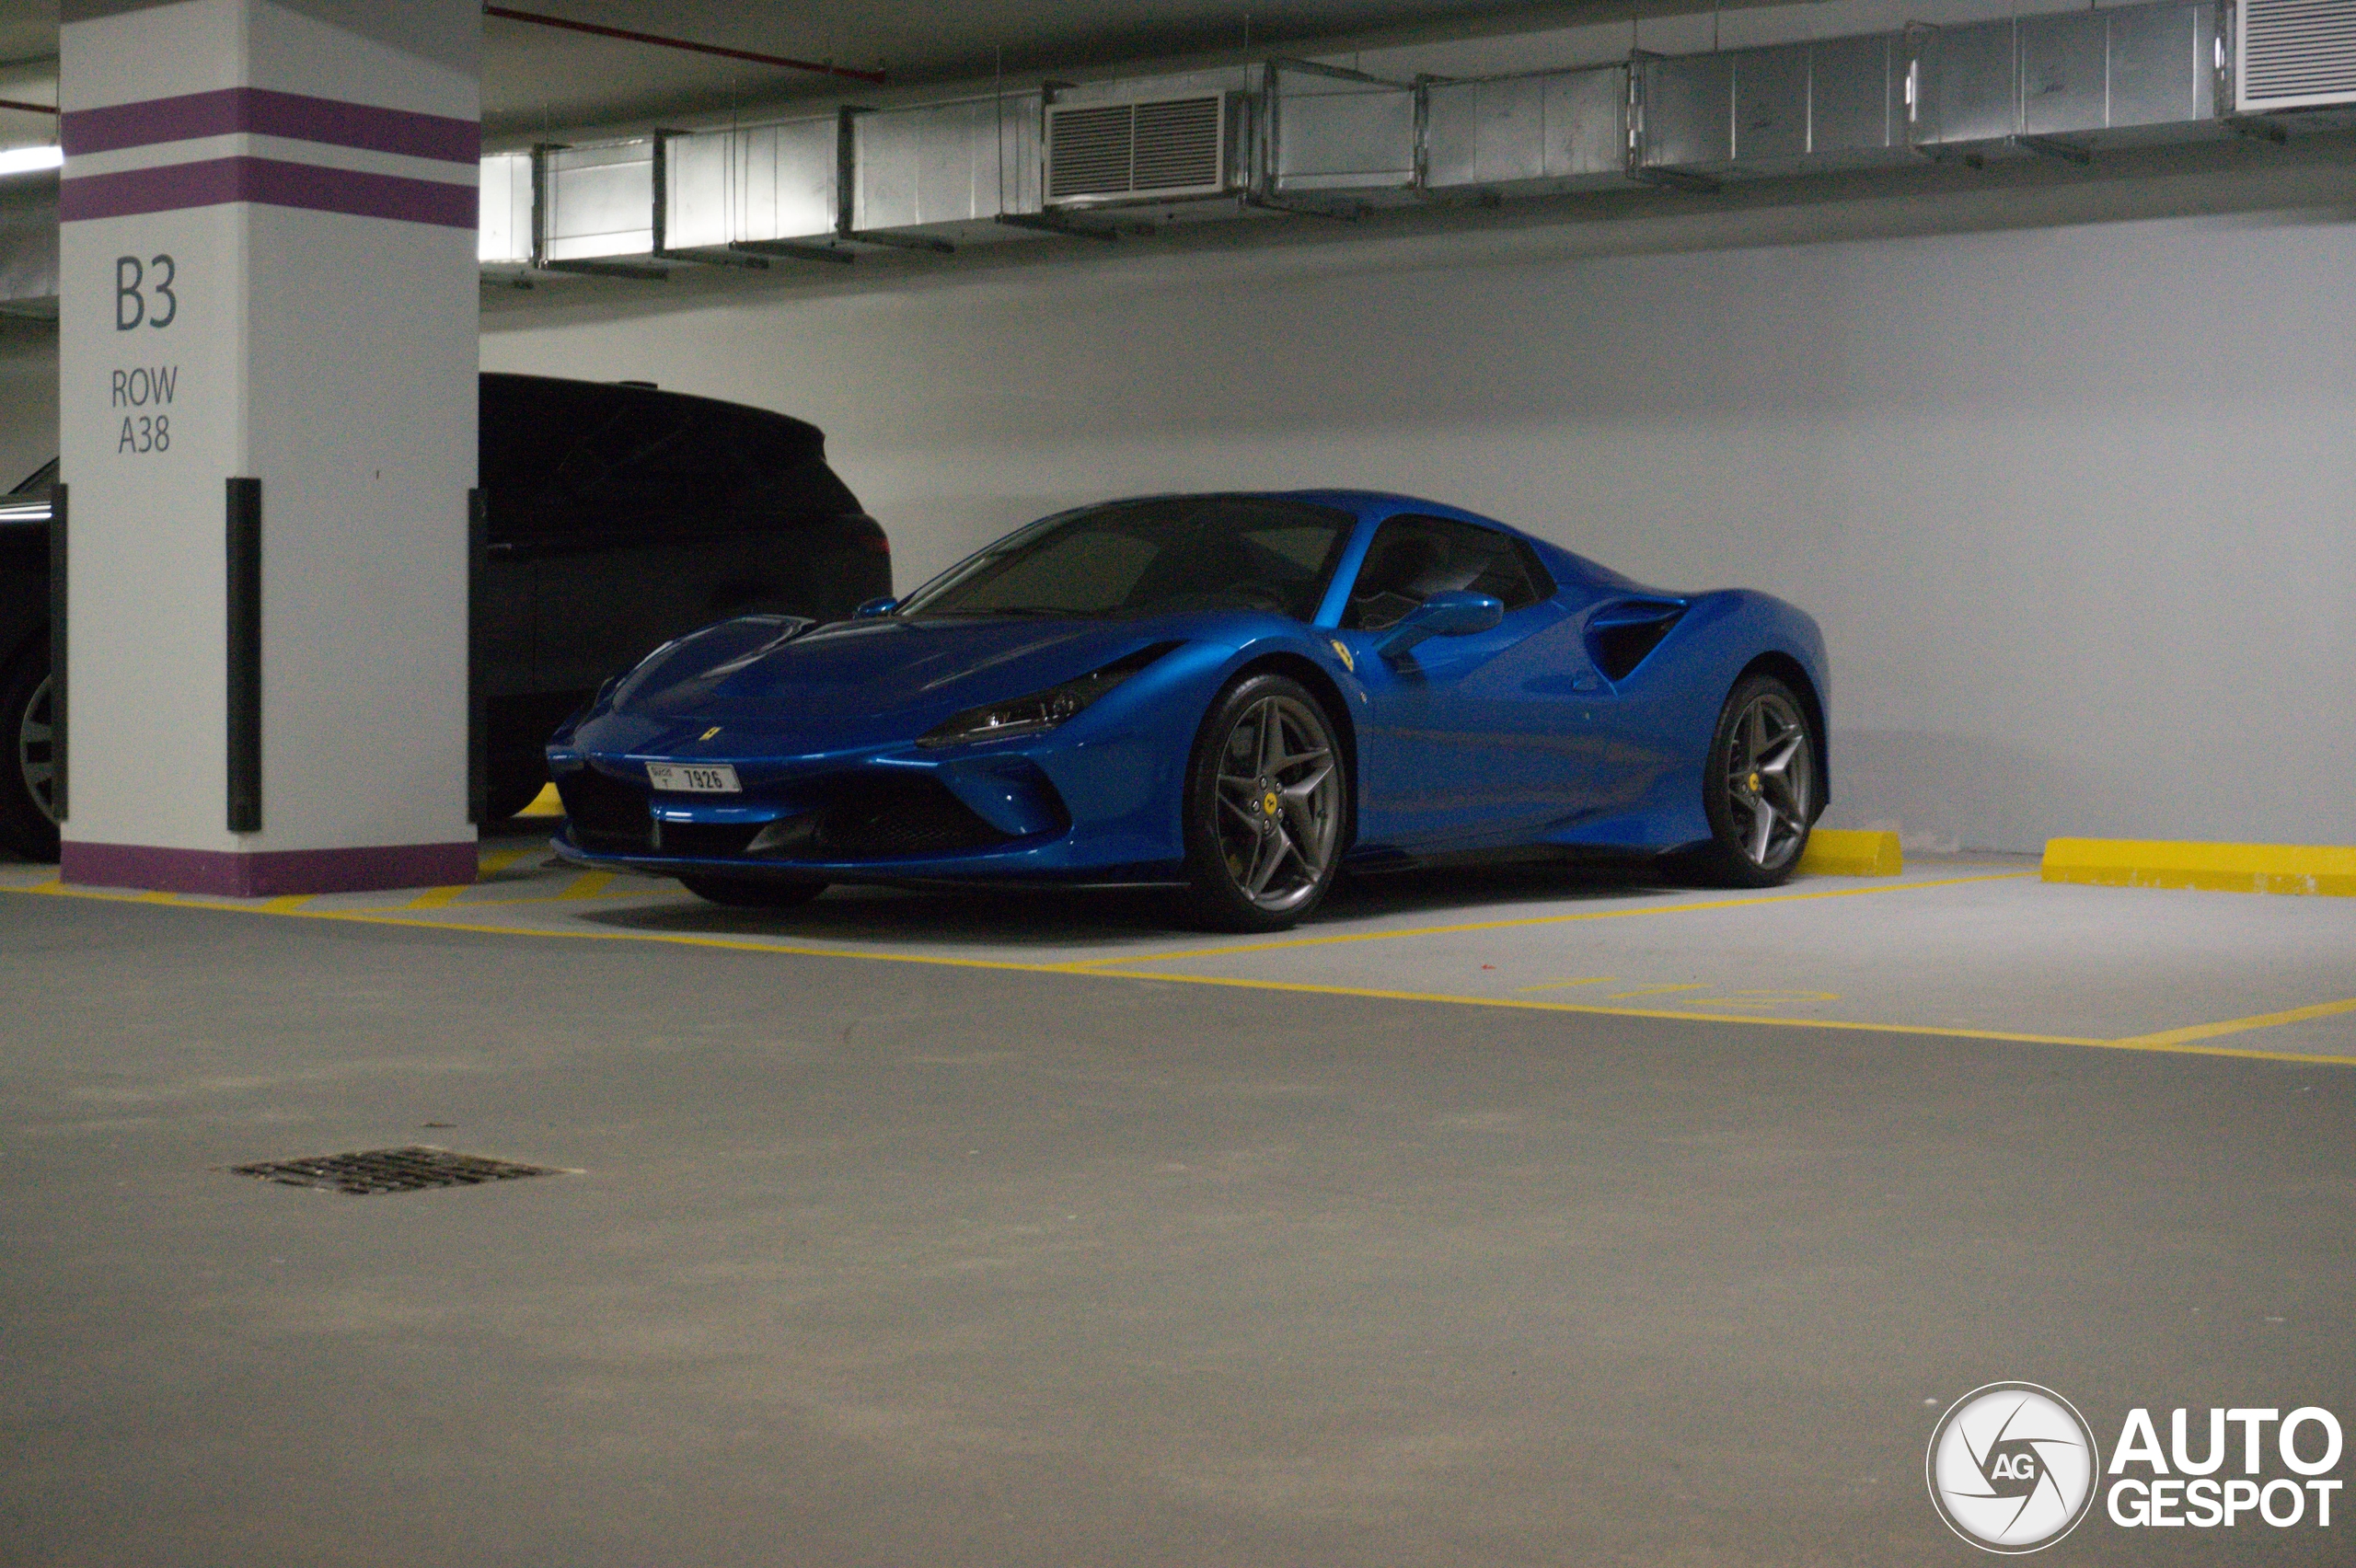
26,160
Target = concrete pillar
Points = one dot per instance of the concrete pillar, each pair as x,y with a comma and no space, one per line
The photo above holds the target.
268,325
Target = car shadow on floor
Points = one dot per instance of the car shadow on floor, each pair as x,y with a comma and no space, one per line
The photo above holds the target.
1059,918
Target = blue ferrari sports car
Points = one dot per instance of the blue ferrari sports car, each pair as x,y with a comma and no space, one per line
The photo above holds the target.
1237,694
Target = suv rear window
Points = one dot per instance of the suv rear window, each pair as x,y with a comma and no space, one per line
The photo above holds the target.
563,460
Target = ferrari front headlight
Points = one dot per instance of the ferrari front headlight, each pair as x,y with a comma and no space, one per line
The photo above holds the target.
1041,710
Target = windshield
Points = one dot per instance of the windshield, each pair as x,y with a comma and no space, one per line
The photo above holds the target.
43,478
1144,557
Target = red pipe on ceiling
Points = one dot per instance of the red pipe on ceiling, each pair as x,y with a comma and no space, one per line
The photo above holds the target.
627,36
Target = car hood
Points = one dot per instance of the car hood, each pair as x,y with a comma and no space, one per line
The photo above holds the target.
764,670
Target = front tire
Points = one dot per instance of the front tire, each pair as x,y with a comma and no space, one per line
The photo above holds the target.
754,893
1760,784
28,773
1267,806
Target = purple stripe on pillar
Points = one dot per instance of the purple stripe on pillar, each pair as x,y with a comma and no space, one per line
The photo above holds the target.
267,873
259,112
272,182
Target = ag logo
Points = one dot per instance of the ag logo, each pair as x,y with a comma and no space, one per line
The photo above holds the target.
2011,1468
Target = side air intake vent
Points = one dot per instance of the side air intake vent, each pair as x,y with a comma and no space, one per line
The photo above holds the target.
2295,54
1619,636
1099,152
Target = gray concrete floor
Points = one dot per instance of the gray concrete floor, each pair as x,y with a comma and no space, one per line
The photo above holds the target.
914,1262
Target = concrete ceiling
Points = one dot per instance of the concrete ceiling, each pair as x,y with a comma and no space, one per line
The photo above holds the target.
537,78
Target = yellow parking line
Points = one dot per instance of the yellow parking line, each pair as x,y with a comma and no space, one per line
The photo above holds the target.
2159,1042
1564,984
680,939
286,902
2173,1039
490,864
1289,944
1520,1005
1770,999
586,884
2178,1042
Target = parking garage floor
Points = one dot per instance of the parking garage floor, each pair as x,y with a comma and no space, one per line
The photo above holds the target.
1490,1218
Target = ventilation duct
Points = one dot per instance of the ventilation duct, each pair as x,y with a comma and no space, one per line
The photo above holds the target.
596,201
947,170
2086,76
1140,149
1218,145
750,186
2295,54
1331,130
504,234
1786,109
1525,135
29,255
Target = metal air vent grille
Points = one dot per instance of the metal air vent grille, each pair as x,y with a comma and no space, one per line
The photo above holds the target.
1167,147
1090,150
1178,144
2296,53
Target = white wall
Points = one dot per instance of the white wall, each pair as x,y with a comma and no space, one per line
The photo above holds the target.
2072,505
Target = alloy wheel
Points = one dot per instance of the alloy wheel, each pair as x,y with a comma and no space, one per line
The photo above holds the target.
1770,780
1280,805
36,753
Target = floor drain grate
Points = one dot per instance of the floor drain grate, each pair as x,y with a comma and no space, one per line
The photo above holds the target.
390,1170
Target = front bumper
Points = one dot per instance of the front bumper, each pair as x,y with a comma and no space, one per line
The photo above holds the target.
1044,811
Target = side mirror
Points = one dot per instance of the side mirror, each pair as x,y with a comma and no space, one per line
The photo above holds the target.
883,606
1451,612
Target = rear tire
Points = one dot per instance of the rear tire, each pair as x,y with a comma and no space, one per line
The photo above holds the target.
1268,807
507,796
1758,786
26,782
752,892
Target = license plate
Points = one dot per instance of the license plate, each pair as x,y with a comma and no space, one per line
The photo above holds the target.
700,778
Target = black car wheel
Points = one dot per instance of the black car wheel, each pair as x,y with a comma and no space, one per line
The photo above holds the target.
1760,787
508,794
754,893
1267,806
29,782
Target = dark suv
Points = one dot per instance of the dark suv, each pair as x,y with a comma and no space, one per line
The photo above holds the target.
618,516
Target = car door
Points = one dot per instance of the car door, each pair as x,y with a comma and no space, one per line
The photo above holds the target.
501,600
1475,740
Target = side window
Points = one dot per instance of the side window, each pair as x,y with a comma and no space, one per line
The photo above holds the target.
639,473
602,469
1413,557
576,463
